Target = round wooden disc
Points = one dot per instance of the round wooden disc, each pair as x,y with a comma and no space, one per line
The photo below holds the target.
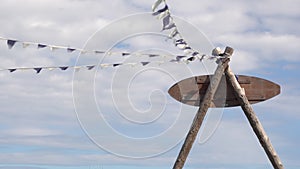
192,90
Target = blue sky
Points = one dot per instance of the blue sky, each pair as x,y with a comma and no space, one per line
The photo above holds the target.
39,125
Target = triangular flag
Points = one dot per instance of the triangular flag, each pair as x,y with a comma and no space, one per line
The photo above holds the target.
12,70
156,4
131,64
153,55
173,60
25,44
104,65
195,53
50,68
181,46
125,54
187,50
187,47
82,51
24,68
64,67
180,42
179,57
70,50
160,62
97,51
170,26
117,64
10,43
145,63
191,58
161,10
166,21
52,48
38,70
77,68
90,67
174,33
41,46
164,14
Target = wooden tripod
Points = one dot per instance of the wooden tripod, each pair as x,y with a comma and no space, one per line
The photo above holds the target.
244,103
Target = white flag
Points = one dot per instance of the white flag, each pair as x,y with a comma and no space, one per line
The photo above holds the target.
156,4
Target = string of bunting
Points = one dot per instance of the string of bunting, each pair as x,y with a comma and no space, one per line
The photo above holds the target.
164,13
169,25
38,69
11,43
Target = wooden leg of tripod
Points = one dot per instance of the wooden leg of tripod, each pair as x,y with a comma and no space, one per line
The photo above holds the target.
253,120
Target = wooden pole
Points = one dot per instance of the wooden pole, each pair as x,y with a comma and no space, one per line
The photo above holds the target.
253,120
198,119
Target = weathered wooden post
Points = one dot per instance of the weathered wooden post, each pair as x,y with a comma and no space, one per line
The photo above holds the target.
253,120
204,105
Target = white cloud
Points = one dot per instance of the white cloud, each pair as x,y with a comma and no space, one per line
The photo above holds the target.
265,46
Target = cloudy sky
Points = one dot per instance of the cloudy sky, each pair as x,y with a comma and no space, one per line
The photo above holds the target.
123,117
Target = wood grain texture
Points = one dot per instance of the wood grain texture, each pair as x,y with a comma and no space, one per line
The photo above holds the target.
253,120
191,91
199,117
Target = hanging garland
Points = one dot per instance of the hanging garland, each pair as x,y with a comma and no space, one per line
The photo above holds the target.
168,24
38,69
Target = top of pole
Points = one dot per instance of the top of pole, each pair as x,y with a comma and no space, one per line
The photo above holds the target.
228,51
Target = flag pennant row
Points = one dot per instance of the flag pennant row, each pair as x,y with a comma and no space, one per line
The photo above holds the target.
12,42
180,43
168,24
179,59
77,68
189,56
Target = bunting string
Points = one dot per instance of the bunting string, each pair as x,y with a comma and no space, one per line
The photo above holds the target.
169,25
38,69
178,43
11,43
